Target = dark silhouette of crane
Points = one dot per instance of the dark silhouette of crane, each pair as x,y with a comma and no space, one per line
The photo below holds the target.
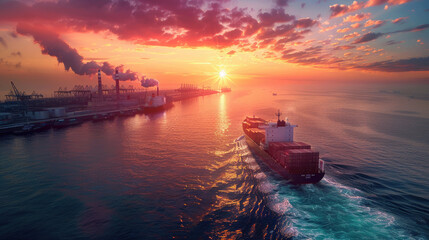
15,94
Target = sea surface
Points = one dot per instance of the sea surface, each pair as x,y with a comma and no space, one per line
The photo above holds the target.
181,174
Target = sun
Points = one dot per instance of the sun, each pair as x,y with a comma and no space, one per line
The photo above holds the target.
222,74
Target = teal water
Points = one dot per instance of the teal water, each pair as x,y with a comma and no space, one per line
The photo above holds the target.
180,174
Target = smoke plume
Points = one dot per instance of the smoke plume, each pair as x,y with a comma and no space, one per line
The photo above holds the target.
52,45
149,82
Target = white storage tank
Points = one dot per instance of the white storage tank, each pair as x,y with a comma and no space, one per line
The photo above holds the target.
39,115
57,112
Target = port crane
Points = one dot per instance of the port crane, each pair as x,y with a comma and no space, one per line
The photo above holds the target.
15,94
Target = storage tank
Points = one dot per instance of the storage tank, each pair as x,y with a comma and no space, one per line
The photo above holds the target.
39,115
57,112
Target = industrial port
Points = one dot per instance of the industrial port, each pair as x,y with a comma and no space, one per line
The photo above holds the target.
23,113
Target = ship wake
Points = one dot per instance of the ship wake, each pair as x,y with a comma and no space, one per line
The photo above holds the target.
319,211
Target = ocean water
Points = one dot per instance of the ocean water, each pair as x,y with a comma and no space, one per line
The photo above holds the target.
185,174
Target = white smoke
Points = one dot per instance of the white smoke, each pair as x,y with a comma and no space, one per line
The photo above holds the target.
149,82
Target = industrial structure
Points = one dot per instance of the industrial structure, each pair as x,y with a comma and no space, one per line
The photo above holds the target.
16,95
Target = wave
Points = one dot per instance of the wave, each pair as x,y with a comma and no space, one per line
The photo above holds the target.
327,210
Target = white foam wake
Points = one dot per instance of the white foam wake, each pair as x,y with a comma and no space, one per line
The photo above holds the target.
328,210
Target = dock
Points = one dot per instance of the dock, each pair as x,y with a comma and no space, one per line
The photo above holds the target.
85,107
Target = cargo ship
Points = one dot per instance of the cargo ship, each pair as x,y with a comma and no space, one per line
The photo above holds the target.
273,143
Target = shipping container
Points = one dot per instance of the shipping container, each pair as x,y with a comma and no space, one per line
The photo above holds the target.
300,160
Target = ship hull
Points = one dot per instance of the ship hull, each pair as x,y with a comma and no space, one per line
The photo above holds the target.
271,163
157,109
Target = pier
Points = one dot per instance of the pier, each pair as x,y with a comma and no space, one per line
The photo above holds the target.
16,113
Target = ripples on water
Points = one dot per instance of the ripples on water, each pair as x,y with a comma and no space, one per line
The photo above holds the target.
180,174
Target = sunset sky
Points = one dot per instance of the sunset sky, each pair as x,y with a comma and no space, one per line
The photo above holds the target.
49,44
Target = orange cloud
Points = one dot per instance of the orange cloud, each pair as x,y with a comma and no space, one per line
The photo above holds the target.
343,30
374,23
355,25
357,17
349,36
399,20
338,10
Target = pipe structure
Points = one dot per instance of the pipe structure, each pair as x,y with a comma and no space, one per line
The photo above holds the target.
117,84
100,87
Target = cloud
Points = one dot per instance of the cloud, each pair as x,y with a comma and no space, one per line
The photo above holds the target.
282,3
393,42
13,34
372,3
338,10
399,20
415,29
374,23
368,37
16,54
344,47
402,65
357,17
349,36
95,59
355,25
3,42
232,52
277,15
305,23
173,23
343,30
9,64
302,5
372,36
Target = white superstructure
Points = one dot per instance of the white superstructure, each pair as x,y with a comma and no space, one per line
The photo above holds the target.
156,101
278,132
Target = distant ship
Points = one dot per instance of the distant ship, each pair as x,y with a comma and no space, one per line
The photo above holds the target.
61,123
274,94
157,103
225,89
273,142
31,128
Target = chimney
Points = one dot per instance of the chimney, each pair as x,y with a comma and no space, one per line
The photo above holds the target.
100,88
157,90
117,84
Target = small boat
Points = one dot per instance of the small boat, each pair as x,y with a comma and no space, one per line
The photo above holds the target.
61,123
26,129
31,128
126,113
101,117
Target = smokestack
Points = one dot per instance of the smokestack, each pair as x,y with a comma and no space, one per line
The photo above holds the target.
117,84
100,88
157,90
